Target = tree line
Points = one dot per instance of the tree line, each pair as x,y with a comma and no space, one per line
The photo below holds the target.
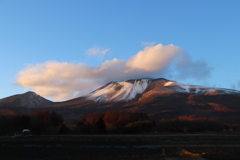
128,122
42,122
117,121
110,122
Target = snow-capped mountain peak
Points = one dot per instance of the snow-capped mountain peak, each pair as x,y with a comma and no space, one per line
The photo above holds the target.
134,89
119,91
195,89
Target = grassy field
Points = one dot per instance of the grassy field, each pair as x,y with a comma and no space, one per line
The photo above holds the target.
209,146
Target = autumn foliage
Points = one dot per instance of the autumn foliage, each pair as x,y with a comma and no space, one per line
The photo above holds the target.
127,122
110,122
117,121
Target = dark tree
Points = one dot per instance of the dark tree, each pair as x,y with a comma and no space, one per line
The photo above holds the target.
99,126
55,119
63,129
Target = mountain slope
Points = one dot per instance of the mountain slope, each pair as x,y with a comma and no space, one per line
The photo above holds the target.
133,89
119,91
28,100
160,98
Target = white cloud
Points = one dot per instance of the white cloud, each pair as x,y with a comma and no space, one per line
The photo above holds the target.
97,51
63,80
148,44
153,59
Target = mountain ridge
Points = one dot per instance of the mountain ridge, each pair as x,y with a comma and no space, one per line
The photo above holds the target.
159,98
28,100
130,89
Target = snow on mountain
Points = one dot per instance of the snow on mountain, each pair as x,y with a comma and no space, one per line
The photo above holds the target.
119,91
131,89
28,99
194,89
31,99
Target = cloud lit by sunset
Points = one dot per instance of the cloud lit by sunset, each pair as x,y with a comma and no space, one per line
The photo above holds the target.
64,80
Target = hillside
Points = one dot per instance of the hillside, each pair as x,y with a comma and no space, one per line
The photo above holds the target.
160,98
28,100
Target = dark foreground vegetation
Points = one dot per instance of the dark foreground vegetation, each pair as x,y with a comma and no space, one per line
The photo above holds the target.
42,122
110,122
132,122
201,146
116,135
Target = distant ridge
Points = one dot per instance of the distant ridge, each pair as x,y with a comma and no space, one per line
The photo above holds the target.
29,100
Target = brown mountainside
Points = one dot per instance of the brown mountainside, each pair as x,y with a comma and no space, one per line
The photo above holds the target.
160,98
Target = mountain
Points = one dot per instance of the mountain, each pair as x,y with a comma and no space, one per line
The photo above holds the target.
133,89
28,100
160,98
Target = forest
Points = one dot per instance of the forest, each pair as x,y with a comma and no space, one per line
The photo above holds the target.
110,122
39,123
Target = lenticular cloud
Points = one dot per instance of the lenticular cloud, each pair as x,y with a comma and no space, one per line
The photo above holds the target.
63,80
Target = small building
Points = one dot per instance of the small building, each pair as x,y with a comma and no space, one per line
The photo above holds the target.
26,132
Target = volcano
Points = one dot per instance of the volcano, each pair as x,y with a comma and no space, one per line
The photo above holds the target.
159,98
134,90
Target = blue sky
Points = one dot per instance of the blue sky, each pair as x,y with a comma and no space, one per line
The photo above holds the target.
44,45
